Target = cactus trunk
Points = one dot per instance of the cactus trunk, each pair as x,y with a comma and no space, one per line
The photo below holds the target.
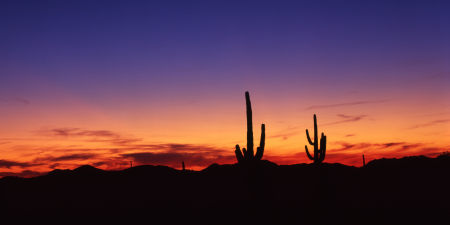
249,125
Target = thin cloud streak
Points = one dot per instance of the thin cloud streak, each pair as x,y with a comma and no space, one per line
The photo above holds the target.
72,157
286,133
172,147
400,146
16,100
346,119
429,124
95,135
343,104
68,132
387,145
8,164
407,147
348,146
53,166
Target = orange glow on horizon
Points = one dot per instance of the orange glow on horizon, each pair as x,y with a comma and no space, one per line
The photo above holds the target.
205,133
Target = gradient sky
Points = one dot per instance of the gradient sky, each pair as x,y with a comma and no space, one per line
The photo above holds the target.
160,82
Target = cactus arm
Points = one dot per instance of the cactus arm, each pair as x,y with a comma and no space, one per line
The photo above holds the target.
245,153
315,130
260,149
262,142
322,139
319,153
238,153
307,153
309,139
258,154
323,147
249,125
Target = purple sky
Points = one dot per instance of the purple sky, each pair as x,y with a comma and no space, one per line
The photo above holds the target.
150,47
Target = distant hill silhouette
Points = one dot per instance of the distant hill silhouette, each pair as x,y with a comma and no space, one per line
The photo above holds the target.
390,191
409,161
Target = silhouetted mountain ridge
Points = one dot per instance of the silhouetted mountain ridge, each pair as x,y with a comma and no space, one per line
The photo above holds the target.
87,169
409,161
255,192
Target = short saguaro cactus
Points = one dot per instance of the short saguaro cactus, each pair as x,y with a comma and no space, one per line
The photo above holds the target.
319,153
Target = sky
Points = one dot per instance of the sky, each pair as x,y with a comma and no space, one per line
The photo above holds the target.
107,83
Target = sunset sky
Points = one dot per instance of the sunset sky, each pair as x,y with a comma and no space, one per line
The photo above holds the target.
159,82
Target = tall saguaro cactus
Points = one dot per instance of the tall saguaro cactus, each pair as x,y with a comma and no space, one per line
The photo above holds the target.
248,153
319,153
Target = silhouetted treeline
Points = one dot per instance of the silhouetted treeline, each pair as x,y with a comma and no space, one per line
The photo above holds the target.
384,191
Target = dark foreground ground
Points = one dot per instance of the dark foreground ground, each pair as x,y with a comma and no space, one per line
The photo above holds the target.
385,191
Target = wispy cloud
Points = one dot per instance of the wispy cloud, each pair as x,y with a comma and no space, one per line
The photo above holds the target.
392,146
93,135
429,124
343,104
408,147
54,165
437,114
74,157
346,119
345,146
79,132
71,157
9,164
169,147
16,100
387,145
286,133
